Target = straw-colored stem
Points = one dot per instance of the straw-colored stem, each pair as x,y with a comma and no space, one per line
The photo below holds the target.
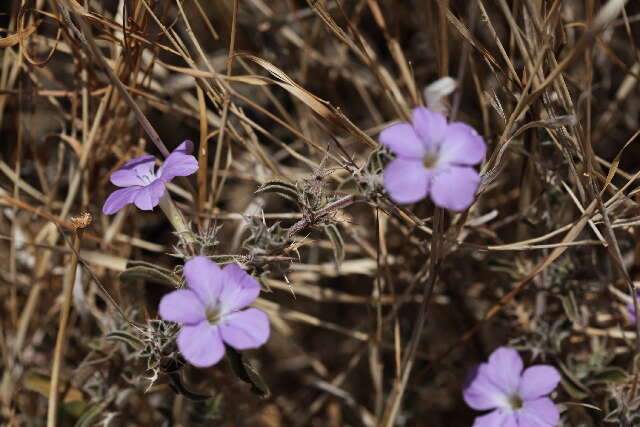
52,413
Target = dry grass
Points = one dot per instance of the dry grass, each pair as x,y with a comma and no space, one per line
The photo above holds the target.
379,328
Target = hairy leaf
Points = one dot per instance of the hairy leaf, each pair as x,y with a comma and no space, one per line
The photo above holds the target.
284,189
247,373
147,271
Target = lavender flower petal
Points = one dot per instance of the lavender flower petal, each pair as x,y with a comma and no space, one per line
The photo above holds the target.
119,199
186,147
204,277
406,181
462,145
204,310
538,413
238,288
631,308
502,385
402,139
505,367
455,187
148,197
446,151
538,381
182,306
430,126
496,418
631,312
179,163
147,185
131,172
482,393
201,344
245,329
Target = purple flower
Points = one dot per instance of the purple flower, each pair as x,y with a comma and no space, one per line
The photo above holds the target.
143,184
210,311
518,398
631,309
433,157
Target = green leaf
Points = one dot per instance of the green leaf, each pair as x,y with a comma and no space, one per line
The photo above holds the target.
91,416
74,409
574,390
610,375
333,233
147,271
571,384
614,416
247,373
284,189
175,381
130,340
571,308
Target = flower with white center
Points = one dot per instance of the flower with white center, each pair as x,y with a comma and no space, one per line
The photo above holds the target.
212,311
143,185
433,158
517,398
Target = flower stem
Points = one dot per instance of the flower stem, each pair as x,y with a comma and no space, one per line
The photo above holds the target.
175,218
52,414
395,400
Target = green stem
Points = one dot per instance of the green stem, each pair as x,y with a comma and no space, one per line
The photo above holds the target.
176,219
